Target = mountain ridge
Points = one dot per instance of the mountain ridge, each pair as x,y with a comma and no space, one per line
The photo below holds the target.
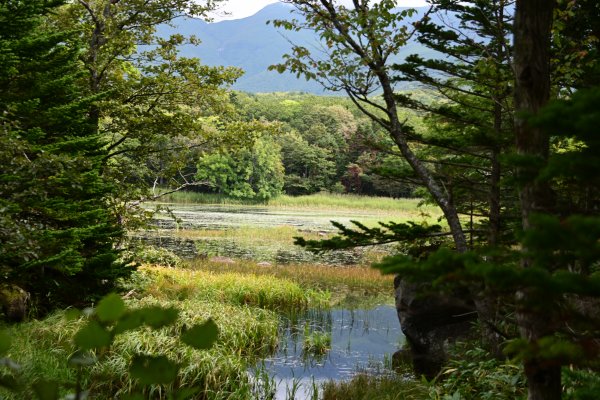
252,45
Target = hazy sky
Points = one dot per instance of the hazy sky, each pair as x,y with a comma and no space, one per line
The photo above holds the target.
245,8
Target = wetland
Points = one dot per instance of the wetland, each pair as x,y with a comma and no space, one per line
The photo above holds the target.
356,331
289,322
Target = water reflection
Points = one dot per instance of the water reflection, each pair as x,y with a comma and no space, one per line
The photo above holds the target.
361,340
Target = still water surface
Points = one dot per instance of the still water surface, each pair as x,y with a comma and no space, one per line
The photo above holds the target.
361,341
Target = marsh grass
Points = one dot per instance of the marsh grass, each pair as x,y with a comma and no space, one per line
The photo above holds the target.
315,343
329,201
367,387
275,244
356,283
268,292
280,234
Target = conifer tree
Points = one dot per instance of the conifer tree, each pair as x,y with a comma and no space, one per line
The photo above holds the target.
470,124
57,237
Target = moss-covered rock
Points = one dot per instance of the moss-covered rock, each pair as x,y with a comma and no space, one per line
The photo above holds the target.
13,301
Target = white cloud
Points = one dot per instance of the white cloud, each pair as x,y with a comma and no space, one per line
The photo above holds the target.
244,8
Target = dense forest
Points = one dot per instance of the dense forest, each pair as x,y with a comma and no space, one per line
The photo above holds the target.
101,117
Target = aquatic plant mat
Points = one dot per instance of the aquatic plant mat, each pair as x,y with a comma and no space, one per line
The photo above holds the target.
261,233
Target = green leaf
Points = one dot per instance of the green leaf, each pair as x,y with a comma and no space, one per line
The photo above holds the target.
157,317
9,382
72,314
46,390
82,359
185,393
92,336
110,308
150,370
5,342
129,321
201,336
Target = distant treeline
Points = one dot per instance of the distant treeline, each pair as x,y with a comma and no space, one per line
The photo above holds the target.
316,144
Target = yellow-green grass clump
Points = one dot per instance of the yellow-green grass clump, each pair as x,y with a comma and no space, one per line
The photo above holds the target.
282,234
340,282
237,288
365,387
326,201
316,343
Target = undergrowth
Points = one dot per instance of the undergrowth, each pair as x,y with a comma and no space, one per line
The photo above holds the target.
243,308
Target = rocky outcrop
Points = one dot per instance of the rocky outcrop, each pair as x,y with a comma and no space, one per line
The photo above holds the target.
13,301
431,322
222,260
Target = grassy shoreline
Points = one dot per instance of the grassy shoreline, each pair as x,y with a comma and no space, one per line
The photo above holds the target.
314,201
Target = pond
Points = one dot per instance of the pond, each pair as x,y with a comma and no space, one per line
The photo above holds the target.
345,341
362,340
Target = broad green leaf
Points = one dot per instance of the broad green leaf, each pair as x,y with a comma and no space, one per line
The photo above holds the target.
46,390
5,342
150,370
82,359
92,336
110,308
73,314
157,317
9,382
185,393
201,336
129,321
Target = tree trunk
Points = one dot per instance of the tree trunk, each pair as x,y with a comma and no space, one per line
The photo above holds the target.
495,177
419,168
533,23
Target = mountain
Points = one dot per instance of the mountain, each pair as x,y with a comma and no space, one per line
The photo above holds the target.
252,44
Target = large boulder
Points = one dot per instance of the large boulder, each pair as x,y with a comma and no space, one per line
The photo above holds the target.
13,301
431,322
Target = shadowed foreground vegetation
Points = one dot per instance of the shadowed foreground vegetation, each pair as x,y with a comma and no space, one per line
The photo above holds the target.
245,300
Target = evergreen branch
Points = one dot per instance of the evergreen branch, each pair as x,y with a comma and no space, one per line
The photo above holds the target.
362,236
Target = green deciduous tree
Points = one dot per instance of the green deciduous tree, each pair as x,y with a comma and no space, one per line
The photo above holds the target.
162,110
308,168
254,173
358,44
